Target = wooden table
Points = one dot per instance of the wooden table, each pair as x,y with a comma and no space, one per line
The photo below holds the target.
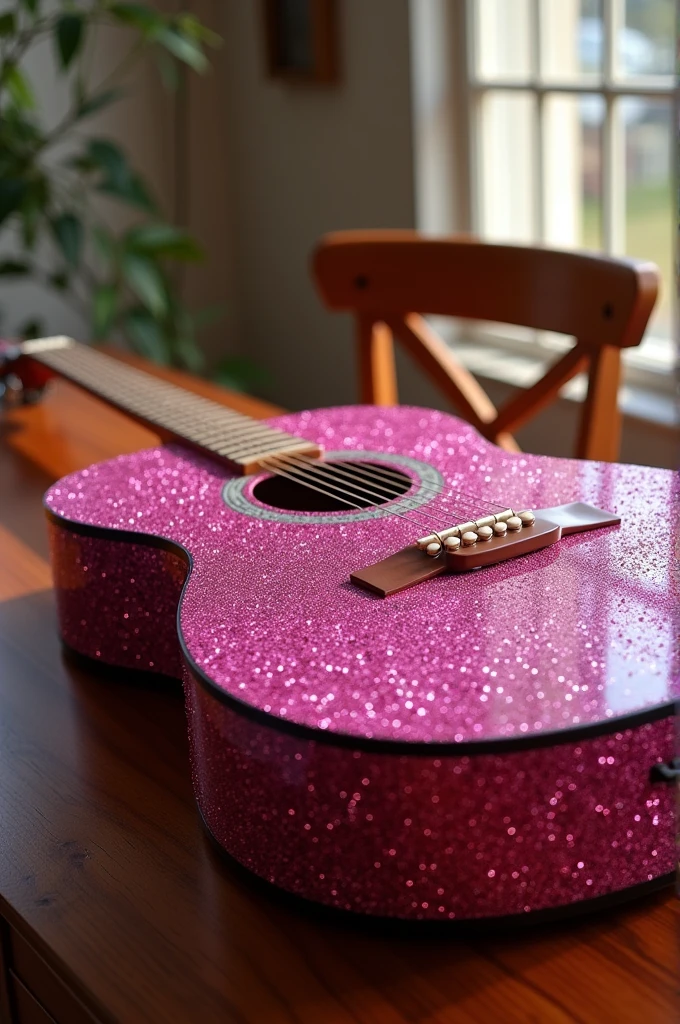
114,905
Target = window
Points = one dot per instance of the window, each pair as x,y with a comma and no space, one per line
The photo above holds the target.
566,111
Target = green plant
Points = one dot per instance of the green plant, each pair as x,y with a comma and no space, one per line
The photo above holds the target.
49,178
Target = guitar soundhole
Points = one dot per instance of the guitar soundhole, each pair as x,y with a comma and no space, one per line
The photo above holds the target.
363,484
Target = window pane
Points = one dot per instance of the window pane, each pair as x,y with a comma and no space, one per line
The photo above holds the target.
647,39
502,38
650,210
571,39
572,165
508,147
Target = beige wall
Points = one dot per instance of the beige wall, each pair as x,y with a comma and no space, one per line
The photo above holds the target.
303,162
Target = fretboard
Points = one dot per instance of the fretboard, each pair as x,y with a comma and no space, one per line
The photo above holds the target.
168,410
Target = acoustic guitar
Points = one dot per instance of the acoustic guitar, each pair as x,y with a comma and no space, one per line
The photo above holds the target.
425,678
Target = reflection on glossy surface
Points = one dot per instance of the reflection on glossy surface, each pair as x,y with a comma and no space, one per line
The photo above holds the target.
565,637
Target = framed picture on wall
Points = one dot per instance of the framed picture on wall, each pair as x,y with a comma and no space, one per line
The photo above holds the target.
301,40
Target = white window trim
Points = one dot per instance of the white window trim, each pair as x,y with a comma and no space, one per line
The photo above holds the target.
446,96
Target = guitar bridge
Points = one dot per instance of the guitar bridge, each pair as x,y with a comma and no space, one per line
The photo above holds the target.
416,563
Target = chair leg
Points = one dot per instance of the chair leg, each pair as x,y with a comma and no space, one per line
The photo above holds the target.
600,430
377,371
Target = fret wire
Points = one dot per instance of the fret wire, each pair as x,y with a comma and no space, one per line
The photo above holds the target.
240,435
247,447
254,453
202,421
224,439
210,431
162,404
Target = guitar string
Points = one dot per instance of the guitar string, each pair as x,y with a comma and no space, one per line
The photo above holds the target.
326,470
291,473
277,471
383,471
361,471
306,467
128,378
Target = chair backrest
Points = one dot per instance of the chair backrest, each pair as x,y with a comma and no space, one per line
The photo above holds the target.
388,279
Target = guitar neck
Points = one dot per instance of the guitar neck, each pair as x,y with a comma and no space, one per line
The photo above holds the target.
168,410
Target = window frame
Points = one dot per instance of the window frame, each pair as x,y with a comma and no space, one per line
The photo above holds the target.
654,368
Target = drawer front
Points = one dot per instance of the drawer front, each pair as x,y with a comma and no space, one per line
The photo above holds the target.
43,985
27,1008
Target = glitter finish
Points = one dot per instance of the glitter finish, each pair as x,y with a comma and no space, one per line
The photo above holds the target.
315,723
578,633
452,837
116,601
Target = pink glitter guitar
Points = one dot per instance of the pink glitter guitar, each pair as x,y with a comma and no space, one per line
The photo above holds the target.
483,744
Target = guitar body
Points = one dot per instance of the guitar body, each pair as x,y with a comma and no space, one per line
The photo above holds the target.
480,745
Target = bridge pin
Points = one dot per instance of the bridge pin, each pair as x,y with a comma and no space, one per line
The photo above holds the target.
469,538
528,518
485,533
500,529
514,523
433,549
452,543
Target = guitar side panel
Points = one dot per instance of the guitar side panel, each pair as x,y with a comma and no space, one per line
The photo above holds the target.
435,836
116,600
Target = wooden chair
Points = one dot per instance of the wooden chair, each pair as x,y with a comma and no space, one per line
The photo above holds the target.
388,279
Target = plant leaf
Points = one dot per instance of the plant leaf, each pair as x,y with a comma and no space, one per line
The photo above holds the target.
240,373
184,341
110,157
118,180
33,206
59,280
183,47
146,280
133,191
98,102
190,354
7,23
104,302
191,26
31,329
163,240
167,69
12,192
146,335
137,16
18,87
14,268
69,33
105,243
68,232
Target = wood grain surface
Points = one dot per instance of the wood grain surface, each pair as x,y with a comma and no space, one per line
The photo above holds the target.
105,870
